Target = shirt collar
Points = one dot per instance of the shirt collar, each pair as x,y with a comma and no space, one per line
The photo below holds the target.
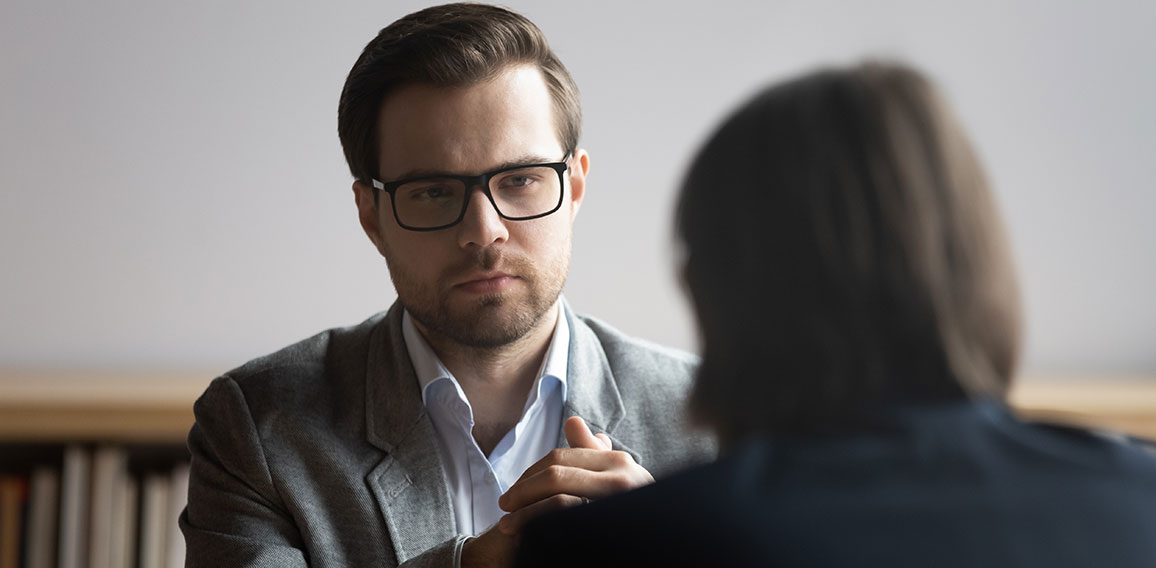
554,364
429,368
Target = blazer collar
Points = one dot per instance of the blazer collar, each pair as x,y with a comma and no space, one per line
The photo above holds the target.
409,483
592,392
392,395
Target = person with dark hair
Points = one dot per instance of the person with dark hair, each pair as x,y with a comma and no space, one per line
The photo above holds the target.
860,325
429,434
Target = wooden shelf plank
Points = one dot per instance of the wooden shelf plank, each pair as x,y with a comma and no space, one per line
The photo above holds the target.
111,407
157,407
1121,403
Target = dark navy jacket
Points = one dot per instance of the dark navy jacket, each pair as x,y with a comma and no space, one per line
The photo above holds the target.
946,485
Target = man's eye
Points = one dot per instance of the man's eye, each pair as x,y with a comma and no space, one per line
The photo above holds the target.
430,193
518,182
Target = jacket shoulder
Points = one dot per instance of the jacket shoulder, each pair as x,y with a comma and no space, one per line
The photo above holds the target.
309,356
654,382
319,376
636,357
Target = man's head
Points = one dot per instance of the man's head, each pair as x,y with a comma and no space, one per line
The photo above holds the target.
454,91
453,45
843,250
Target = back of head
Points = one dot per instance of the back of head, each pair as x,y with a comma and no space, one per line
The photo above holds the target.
842,251
451,45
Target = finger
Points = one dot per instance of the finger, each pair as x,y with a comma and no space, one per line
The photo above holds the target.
513,522
595,460
578,434
552,480
605,440
555,479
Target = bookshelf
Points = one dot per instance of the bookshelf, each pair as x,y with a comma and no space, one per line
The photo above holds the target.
94,468
98,464
156,408
136,407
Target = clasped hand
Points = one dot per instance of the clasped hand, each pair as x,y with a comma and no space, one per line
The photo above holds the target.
588,469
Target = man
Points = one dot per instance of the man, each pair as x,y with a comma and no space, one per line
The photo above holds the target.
397,440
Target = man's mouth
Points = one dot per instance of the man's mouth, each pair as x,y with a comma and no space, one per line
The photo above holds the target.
487,283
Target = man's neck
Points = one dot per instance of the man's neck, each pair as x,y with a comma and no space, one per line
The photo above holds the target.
496,381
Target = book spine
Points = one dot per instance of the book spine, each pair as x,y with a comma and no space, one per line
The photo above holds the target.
74,505
154,511
109,470
125,527
43,514
13,493
178,498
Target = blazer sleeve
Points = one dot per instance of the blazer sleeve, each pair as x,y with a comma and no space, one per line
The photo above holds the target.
234,515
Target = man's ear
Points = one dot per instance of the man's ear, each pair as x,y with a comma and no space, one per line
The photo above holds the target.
368,215
579,168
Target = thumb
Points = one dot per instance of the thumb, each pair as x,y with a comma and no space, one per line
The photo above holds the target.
578,435
605,440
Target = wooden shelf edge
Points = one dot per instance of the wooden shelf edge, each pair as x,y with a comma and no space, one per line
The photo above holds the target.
108,424
157,407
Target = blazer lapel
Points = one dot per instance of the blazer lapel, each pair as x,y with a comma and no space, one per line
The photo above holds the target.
409,484
591,391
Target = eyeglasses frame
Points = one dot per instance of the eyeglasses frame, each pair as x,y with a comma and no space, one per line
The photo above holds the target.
482,180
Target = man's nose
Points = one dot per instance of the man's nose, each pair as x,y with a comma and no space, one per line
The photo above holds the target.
482,226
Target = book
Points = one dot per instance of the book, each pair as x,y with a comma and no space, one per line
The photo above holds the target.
153,512
13,493
43,511
178,498
109,472
124,527
74,503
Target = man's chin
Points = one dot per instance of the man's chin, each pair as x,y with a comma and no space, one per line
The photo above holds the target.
488,321
492,302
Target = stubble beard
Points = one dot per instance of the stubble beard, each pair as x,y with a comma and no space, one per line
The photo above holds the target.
490,321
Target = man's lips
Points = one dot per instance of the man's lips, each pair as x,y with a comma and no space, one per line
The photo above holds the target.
490,283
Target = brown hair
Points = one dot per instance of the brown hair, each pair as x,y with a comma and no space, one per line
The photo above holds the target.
450,45
843,250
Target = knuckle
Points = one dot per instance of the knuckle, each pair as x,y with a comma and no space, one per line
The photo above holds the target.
621,482
623,458
554,473
559,501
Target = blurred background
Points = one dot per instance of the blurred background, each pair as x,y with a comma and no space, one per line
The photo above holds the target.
173,194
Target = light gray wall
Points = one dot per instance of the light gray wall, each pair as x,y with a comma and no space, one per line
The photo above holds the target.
172,191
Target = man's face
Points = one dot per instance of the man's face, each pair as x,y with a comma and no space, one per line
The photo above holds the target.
486,281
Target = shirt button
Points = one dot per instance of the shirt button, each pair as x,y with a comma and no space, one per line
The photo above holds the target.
490,479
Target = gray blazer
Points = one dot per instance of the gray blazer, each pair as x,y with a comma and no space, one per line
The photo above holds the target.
322,454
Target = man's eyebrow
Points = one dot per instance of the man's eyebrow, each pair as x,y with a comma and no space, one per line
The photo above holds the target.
525,159
520,161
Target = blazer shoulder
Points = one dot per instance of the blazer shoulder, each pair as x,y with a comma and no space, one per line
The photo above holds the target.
648,375
322,374
306,358
635,354
654,382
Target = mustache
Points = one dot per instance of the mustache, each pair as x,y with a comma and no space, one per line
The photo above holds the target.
487,260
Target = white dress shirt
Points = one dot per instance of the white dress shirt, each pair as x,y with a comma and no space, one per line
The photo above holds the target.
475,480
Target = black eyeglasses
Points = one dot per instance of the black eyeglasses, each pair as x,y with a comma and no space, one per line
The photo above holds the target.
518,193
